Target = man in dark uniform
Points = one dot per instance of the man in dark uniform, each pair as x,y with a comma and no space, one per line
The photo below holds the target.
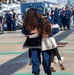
63,18
68,17
59,17
45,54
8,16
13,20
52,14
55,15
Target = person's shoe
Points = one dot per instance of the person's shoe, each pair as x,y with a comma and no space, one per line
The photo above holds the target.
62,58
52,69
62,67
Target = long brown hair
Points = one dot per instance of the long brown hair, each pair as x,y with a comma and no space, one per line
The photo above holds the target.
30,20
45,24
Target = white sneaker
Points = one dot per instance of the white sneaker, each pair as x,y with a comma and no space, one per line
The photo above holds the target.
62,58
55,60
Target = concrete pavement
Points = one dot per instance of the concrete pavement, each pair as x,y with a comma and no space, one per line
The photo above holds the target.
14,59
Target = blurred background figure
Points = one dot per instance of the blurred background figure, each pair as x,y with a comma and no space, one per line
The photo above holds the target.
1,23
8,16
13,20
68,17
52,15
73,15
59,17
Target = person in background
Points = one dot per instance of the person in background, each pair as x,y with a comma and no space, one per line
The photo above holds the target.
8,17
55,14
73,15
1,23
47,10
68,17
63,19
13,20
52,14
3,28
59,17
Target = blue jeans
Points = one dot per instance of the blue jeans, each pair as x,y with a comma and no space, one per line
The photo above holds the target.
36,61
14,24
46,61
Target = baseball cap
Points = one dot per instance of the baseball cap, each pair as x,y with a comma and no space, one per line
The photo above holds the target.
39,9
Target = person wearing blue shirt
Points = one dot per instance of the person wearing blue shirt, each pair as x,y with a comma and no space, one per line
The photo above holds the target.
13,20
55,15
59,17
68,17
52,14
63,19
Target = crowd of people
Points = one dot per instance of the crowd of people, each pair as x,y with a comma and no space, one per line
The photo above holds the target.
62,17
9,19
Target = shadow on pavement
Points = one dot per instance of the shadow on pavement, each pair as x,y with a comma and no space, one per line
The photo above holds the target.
17,63
63,35
13,65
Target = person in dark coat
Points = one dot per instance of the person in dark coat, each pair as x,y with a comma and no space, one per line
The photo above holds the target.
8,16
63,19
59,17
52,14
13,20
68,17
55,15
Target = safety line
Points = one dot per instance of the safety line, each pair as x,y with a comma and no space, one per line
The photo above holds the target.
7,53
55,73
11,42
